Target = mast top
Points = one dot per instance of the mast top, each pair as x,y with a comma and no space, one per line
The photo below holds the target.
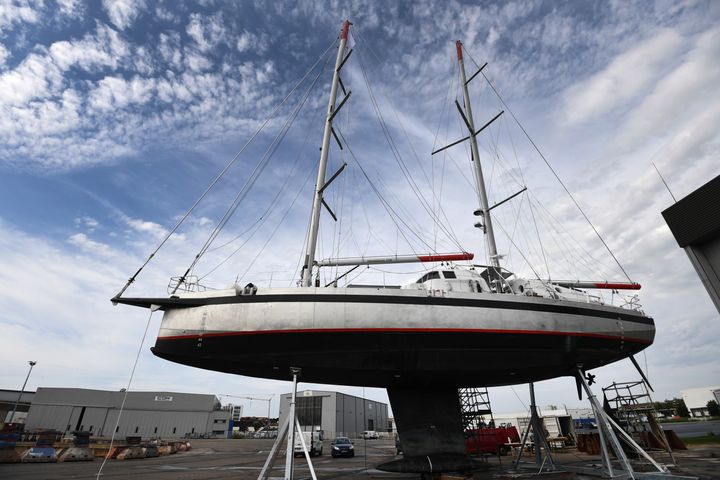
345,29
458,47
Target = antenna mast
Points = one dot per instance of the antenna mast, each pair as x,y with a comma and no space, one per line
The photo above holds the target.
306,275
481,193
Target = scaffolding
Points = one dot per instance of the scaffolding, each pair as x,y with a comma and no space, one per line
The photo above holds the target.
475,407
633,408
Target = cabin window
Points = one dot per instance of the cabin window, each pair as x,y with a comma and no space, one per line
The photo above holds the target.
449,274
433,275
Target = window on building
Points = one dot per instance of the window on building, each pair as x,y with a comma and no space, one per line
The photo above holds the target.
193,430
136,429
117,429
371,424
309,411
91,427
174,429
155,431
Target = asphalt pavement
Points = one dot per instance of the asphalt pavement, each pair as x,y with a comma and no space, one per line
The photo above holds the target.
693,429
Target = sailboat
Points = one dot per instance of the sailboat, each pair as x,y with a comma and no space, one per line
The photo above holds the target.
455,326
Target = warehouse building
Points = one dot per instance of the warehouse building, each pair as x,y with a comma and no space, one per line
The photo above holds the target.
336,414
696,399
695,223
15,401
145,414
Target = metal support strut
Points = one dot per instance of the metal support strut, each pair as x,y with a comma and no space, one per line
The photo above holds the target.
539,437
287,430
606,429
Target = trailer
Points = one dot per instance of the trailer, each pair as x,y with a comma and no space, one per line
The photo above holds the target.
494,440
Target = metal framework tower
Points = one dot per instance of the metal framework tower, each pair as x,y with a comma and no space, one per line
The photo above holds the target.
632,405
475,407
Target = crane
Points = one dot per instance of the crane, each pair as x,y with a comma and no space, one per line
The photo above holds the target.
251,398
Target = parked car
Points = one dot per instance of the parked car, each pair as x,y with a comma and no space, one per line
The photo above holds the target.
370,435
313,440
342,447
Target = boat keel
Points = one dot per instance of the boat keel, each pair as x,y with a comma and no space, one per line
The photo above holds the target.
430,431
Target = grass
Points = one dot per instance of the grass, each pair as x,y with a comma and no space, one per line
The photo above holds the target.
684,419
709,438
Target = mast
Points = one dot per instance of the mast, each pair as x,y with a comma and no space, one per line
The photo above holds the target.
481,193
306,275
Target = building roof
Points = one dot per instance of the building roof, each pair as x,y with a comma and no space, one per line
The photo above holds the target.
696,218
12,396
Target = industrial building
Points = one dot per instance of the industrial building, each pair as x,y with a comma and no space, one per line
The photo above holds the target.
15,400
695,223
336,414
558,422
145,414
696,399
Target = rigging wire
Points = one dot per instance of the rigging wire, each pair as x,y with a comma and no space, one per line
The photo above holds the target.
446,227
224,170
557,177
393,214
271,206
127,389
398,157
252,179
300,190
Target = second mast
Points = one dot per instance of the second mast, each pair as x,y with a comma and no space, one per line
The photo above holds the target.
309,260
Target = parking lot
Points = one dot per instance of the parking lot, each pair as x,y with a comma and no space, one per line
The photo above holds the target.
243,459
214,459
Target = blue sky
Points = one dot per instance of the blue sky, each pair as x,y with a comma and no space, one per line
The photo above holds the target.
117,114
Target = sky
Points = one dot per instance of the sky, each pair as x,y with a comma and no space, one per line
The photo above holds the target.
117,115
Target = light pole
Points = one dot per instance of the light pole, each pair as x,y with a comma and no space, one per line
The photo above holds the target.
12,415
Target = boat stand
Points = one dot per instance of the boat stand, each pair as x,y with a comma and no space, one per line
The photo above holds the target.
540,443
606,429
287,430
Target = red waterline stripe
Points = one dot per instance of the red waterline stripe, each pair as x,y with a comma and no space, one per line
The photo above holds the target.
406,330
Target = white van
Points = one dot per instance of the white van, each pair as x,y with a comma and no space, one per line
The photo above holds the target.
370,435
313,440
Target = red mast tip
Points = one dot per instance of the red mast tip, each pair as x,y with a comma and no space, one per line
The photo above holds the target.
458,46
345,29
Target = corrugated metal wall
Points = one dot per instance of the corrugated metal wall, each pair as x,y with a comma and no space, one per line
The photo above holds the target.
72,409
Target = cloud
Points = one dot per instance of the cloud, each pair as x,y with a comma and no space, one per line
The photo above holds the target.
17,12
207,32
103,48
114,93
4,55
627,75
70,7
688,90
36,76
122,13
82,241
88,222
